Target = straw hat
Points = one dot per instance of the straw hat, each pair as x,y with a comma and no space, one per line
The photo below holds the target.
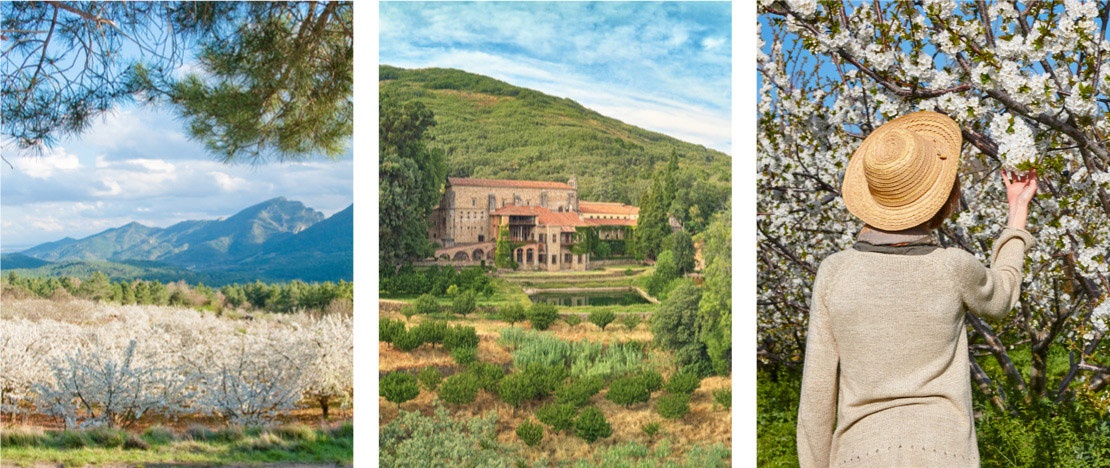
903,172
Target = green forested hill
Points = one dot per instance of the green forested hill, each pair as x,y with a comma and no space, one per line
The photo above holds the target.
492,129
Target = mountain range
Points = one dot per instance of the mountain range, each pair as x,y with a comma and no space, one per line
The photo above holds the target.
276,240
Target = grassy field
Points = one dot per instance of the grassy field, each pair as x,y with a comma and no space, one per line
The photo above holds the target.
682,442
294,443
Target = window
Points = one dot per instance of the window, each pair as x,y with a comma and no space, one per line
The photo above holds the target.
473,202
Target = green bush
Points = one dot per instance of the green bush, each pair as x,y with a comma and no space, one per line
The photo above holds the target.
429,378
432,332
544,378
407,341
630,321
22,437
673,406
653,380
572,320
459,389
134,442
487,375
723,397
591,425
73,439
426,304
460,337
408,311
542,315
398,387
388,329
650,428
513,313
602,318
560,416
464,356
627,391
453,290
579,391
517,388
530,433
464,303
107,437
684,382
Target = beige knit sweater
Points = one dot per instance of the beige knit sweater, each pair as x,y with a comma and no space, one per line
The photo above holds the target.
886,380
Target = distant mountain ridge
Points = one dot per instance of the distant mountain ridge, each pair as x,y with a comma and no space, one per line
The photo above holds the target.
276,240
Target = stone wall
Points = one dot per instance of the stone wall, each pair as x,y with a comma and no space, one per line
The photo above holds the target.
463,213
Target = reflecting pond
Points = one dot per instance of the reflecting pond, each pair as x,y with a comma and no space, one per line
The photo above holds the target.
589,298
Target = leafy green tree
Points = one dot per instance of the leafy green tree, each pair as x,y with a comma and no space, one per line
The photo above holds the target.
542,315
464,303
591,425
602,317
97,288
579,391
715,307
666,271
684,382
653,223
513,313
516,388
487,375
426,304
399,387
464,356
681,246
411,177
460,336
407,340
389,329
530,432
675,326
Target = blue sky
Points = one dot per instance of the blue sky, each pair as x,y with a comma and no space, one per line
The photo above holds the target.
137,164
661,66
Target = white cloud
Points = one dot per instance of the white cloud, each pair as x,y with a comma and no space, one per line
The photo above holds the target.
44,166
110,188
48,224
713,43
228,183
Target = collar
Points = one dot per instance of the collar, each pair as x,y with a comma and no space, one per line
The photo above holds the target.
915,241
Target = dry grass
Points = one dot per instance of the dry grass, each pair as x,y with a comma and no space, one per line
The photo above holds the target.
704,425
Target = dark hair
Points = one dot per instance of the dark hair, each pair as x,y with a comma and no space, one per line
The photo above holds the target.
950,207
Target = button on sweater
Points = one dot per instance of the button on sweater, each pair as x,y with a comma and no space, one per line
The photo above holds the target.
887,378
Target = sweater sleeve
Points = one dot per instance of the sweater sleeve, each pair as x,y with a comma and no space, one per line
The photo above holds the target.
817,405
992,292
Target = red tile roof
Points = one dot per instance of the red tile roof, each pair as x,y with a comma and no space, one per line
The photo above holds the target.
508,183
607,208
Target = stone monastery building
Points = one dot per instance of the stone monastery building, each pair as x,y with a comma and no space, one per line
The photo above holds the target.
543,218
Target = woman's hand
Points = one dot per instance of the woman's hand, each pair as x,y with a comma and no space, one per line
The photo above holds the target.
1020,190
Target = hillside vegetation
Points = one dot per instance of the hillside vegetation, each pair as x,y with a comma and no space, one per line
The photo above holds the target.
492,129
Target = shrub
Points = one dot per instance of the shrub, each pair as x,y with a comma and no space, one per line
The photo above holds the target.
134,442
531,433
673,406
429,378
107,437
460,337
199,433
545,379
399,387
158,435
432,332
73,439
464,303
578,392
487,375
22,437
517,388
723,397
542,315
388,329
560,416
628,390
413,439
407,341
684,382
628,272
602,317
513,313
630,321
653,380
650,428
572,319
591,425
453,290
408,311
464,356
426,304
459,389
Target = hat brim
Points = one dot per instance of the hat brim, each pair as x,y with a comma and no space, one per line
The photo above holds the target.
945,134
